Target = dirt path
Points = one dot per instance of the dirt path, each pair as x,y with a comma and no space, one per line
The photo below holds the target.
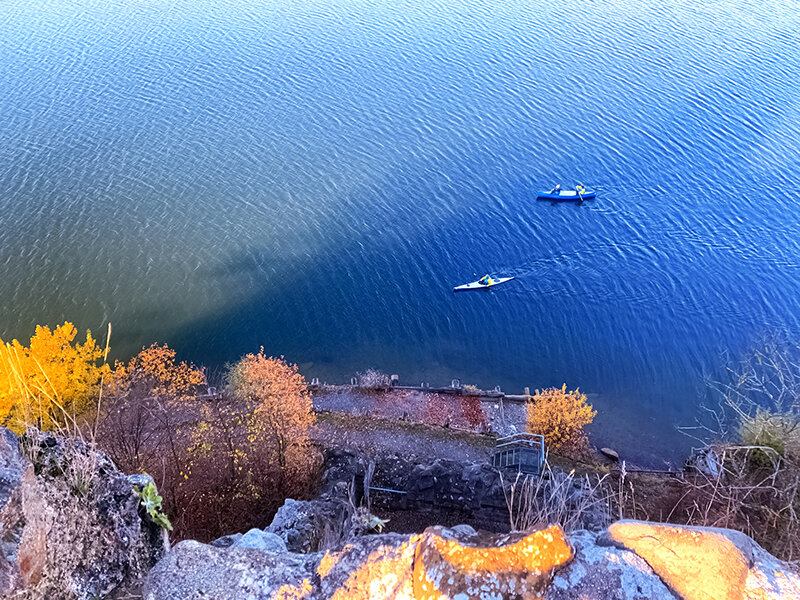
378,436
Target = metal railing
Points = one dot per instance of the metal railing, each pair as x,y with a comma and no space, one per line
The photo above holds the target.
523,452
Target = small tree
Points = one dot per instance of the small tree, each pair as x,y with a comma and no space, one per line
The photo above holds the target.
560,416
145,399
284,414
52,380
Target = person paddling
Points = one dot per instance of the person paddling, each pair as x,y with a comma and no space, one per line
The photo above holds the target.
485,280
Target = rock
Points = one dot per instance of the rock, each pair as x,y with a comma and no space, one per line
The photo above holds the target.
302,525
464,532
693,564
609,453
141,480
369,568
70,522
226,541
605,573
261,540
458,564
491,566
703,562
193,570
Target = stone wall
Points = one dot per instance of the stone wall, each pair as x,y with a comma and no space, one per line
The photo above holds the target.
473,490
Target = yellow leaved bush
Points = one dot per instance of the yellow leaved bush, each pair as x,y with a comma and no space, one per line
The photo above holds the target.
52,380
560,416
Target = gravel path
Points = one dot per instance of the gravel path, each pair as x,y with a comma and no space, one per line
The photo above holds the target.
377,436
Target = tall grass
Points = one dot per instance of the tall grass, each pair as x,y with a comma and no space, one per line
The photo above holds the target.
534,502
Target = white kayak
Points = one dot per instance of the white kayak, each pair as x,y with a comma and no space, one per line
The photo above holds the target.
477,285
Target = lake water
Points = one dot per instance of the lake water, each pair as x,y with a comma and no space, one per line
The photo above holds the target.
314,177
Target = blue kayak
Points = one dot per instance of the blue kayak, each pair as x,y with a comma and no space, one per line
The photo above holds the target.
559,195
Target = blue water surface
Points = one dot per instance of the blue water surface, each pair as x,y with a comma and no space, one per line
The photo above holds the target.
315,177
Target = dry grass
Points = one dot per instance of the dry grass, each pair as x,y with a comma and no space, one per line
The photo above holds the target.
534,502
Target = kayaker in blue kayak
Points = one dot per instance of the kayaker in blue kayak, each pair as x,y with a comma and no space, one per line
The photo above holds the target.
485,280
556,189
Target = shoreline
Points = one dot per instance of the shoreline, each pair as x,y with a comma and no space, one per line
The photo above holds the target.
441,407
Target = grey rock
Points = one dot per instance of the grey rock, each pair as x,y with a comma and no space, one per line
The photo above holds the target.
261,540
602,572
372,567
394,566
141,480
65,536
302,525
226,541
464,532
192,571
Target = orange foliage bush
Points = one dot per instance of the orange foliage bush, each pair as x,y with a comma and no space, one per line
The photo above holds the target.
155,367
50,381
248,450
560,416
284,413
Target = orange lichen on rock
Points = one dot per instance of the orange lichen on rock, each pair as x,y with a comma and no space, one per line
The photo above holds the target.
508,565
293,592
325,565
384,573
698,565
540,551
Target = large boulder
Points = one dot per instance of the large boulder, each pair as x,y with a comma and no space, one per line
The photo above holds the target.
461,564
193,570
70,522
487,565
605,573
438,563
304,524
700,563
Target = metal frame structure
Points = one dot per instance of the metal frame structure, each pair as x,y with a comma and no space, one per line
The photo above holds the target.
521,451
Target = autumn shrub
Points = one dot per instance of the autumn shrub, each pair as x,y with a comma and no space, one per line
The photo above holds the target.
560,416
284,414
149,407
472,412
231,480
249,448
50,382
146,401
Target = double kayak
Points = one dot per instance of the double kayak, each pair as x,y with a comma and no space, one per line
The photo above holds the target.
559,195
477,285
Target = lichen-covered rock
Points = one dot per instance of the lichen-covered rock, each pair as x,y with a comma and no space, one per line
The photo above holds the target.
370,568
700,563
605,573
435,564
461,564
489,565
70,522
192,570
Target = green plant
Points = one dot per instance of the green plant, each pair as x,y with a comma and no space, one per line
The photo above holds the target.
151,502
